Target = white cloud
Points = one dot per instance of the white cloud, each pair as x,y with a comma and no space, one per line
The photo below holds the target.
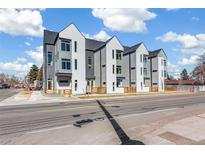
125,20
195,18
28,44
172,9
174,70
187,41
17,67
21,22
101,36
36,55
21,59
189,61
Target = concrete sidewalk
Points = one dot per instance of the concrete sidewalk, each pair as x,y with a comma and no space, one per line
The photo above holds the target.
187,131
36,97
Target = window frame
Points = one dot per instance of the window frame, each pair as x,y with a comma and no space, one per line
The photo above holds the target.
66,44
51,54
67,63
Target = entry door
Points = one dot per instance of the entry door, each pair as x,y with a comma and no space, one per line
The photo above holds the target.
49,85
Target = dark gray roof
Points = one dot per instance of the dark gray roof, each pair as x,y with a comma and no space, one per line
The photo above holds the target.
50,37
128,50
93,45
154,53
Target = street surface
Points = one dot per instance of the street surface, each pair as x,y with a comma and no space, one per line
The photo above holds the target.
6,93
125,120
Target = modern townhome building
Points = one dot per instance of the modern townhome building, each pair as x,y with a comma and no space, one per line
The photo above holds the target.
158,67
136,68
73,64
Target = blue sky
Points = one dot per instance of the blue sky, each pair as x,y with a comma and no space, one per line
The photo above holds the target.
180,32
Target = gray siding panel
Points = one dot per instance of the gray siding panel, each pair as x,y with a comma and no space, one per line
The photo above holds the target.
90,70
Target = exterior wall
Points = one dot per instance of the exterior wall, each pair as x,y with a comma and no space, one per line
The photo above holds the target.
133,69
158,70
125,67
72,33
111,78
90,70
160,74
141,87
100,67
155,73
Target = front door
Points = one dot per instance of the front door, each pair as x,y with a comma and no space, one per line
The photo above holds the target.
49,85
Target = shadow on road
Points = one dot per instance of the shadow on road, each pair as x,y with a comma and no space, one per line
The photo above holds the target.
125,140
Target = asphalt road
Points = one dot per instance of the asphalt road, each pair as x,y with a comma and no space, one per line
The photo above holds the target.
6,93
27,118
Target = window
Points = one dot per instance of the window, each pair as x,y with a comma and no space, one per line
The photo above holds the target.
154,71
66,64
113,54
118,55
145,58
165,63
165,74
65,45
145,72
104,83
49,58
119,83
141,70
103,65
155,84
76,64
113,86
75,46
89,62
119,69
132,68
76,85
162,72
140,58
113,69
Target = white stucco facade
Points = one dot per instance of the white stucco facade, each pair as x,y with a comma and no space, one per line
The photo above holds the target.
140,84
111,78
72,33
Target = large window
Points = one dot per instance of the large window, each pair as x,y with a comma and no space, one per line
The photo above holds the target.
118,55
49,58
145,58
165,63
65,45
145,72
76,64
66,64
119,69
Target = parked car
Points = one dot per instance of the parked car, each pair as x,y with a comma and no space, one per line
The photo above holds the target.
1,87
5,86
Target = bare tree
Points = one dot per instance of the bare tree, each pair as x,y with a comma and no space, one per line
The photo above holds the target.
198,73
